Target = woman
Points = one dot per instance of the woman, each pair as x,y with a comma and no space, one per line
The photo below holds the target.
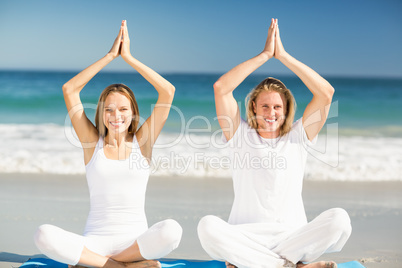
116,156
267,226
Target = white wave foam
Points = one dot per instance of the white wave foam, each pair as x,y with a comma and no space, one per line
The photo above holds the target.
47,149
357,159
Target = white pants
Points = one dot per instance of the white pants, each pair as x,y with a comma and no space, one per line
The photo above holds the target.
266,245
66,247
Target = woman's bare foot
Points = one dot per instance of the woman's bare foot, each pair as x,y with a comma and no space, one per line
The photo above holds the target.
229,265
320,264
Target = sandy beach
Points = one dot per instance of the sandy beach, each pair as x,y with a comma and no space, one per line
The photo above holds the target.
28,200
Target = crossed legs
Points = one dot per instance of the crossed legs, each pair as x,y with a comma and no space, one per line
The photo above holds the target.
158,241
131,257
241,246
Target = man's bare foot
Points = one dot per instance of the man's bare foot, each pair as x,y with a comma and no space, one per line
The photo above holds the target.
143,264
140,264
320,264
229,265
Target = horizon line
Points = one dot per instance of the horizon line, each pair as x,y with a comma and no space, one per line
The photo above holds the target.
256,73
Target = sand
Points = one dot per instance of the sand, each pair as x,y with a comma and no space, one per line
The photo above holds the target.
28,200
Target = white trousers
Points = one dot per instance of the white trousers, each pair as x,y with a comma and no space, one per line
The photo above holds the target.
66,247
269,245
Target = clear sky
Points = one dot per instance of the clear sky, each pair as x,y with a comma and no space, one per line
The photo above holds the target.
342,37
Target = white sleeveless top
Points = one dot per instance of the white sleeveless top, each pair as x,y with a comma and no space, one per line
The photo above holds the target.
117,193
268,176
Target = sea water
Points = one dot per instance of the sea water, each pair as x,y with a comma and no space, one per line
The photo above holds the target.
362,139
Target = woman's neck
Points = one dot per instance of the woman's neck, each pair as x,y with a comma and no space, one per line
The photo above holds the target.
116,139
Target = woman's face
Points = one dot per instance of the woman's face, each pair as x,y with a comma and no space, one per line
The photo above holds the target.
270,109
117,114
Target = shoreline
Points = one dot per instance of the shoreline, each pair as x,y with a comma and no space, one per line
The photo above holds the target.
29,200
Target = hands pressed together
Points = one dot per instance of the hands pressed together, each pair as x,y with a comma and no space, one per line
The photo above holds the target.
273,46
121,45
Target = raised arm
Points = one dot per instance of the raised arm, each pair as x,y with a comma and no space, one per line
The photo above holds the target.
150,130
227,109
86,131
316,112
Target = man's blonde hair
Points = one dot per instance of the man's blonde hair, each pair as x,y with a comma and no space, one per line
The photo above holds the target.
268,85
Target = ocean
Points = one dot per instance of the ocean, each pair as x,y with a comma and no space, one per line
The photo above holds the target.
362,140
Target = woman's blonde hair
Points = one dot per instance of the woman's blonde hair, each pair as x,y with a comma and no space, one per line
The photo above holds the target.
268,85
124,90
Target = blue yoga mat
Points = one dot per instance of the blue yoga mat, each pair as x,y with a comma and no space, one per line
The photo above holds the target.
47,263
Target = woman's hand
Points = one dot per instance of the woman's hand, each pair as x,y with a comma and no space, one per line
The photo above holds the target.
269,48
125,45
279,50
116,48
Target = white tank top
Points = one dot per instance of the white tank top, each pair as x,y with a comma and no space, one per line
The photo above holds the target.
117,193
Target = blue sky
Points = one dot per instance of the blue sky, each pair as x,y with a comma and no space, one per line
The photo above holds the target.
340,37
